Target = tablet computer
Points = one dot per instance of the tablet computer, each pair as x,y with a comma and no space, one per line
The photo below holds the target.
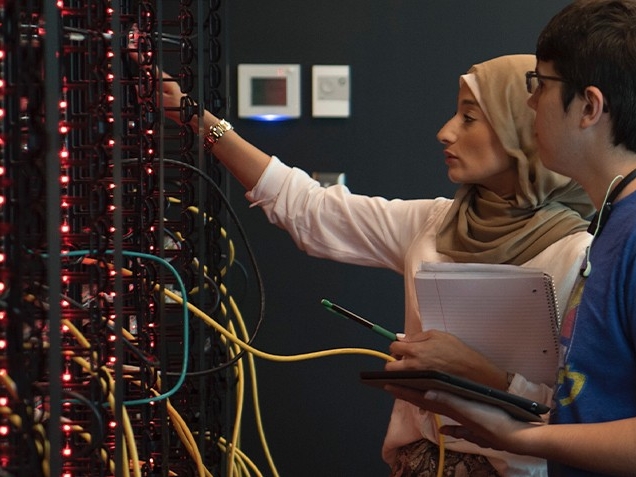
518,407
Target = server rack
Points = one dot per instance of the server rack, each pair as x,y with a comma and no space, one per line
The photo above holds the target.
111,223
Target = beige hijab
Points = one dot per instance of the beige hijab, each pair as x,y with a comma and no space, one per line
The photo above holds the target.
481,226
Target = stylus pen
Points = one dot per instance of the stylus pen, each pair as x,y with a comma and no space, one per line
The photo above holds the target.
337,309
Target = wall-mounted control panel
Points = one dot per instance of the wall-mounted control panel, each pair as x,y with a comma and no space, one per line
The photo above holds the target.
269,92
331,91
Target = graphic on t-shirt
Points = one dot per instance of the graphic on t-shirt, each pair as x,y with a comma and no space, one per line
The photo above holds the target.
569,382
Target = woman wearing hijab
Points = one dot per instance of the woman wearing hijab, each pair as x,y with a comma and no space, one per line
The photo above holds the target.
509,209
522,214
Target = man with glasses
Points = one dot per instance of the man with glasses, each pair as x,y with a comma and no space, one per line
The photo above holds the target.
534,80
584,93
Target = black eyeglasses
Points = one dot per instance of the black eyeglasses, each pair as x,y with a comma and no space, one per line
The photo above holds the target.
533,80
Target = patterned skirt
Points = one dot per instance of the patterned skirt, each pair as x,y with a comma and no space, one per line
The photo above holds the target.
421,459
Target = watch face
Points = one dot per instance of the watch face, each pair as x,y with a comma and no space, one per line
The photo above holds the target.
217,131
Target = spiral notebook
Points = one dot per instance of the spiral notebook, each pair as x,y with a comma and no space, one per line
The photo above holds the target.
508,313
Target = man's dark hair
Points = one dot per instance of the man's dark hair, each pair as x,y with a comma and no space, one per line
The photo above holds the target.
593,43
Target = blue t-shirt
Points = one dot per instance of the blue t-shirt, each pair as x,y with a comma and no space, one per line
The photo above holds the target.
597,376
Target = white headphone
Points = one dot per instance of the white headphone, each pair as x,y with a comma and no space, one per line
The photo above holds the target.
601,216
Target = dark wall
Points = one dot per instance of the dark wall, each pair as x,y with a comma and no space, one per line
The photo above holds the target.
405,58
